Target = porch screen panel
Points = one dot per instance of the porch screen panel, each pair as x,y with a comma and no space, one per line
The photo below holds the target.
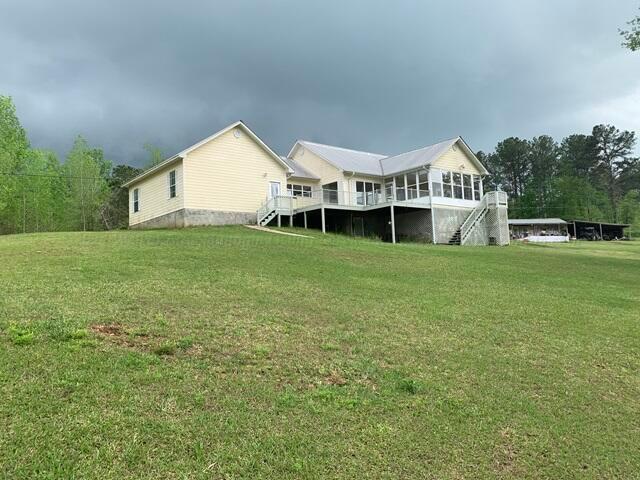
423,184
466,184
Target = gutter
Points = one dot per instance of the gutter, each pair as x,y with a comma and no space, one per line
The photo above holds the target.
155,168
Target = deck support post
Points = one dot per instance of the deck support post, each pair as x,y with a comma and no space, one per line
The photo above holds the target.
279,221
291,220
323,224
393,225
305,219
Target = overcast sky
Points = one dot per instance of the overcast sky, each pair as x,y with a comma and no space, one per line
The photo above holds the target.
383,76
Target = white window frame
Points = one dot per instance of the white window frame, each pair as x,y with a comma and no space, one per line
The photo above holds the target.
173,189
136,200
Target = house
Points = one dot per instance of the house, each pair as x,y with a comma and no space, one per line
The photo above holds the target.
433,194
539,230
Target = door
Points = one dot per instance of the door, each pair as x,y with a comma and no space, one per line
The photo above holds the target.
274,189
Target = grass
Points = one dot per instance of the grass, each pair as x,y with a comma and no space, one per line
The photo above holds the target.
231,353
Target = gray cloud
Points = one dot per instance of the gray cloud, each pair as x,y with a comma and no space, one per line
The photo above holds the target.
379,76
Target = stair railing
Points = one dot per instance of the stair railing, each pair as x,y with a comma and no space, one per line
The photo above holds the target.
476,214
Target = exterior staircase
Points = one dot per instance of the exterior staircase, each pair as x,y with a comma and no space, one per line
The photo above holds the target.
278,205
455,239
487,224
265,221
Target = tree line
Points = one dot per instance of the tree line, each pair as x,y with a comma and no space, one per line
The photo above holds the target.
38,193
586,176
591,177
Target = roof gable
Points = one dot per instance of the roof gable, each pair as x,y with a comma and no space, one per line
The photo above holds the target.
376,164
186,151
344,158
249,132
428,156
298,170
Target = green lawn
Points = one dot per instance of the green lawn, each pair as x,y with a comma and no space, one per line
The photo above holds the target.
231,353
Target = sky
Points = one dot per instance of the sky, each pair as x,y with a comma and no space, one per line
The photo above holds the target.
380,76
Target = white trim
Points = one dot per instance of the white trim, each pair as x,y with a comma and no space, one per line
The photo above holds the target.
468,151
247,130
153,169
190,149
298,143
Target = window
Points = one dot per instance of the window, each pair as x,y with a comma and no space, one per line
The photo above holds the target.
423,184
466,179
298,190
388,190
136,200
446,184
477,191
436,182
457,185
377,193
172,184
412,188
367,193
400,191
330,192
359,193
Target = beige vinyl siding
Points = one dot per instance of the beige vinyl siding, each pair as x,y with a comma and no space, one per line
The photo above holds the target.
231,174
452,159
318,166
154,198
304,181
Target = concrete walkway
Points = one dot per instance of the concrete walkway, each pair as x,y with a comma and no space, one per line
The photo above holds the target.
265,229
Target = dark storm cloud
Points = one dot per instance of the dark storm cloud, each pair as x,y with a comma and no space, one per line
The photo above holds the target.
382,76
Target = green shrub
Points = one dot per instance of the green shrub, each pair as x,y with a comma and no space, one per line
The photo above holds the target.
185,343
21,336
409,385
79,334
165,350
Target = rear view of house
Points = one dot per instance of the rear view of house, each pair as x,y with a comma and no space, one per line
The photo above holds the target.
432,194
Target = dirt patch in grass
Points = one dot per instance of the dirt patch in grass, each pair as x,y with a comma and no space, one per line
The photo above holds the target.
110,330
119,335
335,379
506,454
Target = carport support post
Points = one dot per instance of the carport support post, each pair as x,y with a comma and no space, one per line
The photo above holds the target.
600,231
393,225
305,219
322,215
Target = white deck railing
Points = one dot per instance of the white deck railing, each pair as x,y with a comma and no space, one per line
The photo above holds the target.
280,204
349,198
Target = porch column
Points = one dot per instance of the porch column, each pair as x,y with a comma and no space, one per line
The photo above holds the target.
431,210
305,219
322,215
393,225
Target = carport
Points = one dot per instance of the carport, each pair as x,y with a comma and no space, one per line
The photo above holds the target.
586,230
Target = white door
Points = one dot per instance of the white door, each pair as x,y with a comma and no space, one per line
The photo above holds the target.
274,189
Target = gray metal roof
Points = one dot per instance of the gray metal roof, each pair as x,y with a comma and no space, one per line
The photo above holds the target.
536,221
346,159
298,170
379,165
415,158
